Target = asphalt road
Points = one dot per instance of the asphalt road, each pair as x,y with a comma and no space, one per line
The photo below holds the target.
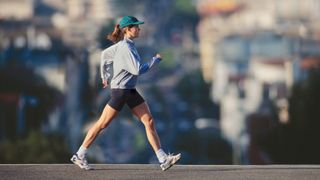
152,171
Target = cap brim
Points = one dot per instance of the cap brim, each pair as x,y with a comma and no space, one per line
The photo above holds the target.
138,22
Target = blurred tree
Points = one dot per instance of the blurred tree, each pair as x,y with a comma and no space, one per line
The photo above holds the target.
305,120
185,7
103,33
183,17
39,99
203,146
28,145
193,90
297,142
35,148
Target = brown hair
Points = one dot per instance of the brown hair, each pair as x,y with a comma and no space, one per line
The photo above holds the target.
116,35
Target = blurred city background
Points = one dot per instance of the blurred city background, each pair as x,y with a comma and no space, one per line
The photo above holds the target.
239,83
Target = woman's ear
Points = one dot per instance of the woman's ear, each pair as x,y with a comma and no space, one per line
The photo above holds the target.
125,30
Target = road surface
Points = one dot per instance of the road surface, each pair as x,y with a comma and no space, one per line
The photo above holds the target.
152,171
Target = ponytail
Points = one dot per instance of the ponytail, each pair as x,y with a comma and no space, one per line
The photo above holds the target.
116,35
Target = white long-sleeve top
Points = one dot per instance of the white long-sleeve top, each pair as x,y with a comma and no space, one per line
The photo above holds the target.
127,65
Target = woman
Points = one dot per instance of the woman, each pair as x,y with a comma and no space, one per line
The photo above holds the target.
127,66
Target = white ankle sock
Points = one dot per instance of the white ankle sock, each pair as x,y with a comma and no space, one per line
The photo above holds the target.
161,155
82,152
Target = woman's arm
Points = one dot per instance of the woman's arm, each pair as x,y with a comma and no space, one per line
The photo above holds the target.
107,56
148,65
133,63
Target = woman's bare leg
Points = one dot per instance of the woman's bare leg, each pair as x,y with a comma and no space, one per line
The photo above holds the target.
106,117
143,113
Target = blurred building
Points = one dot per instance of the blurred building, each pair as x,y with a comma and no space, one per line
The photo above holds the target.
253,52
16,9
57,42
35,24
50,39
83,20
220,18
98,10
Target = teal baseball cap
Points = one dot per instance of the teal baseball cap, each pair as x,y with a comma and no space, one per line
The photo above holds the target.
129,20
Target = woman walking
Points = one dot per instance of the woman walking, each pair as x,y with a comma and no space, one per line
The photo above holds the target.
127,66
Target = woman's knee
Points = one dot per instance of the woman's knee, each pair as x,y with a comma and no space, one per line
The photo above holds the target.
104,124
148,121
100,125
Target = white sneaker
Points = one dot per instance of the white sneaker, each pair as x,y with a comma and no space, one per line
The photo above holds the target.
82,163
170,161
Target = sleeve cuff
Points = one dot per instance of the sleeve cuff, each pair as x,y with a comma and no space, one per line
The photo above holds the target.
156,60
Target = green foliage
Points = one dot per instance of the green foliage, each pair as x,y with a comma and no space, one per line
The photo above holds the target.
184,13
185,6
140,141
169,62
24,81
35,148
193,90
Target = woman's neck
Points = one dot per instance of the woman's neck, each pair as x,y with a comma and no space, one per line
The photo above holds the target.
128,37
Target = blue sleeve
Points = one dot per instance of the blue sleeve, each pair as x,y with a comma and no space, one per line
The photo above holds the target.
148,65
133,63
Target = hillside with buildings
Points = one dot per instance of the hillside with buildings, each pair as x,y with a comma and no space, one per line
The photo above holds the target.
252,53
233,74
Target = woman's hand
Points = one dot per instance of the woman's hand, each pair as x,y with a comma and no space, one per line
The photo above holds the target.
158,56
105,83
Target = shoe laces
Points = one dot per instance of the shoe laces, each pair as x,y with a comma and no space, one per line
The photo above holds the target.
83,159
170,154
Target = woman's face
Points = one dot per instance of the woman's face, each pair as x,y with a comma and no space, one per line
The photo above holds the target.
133,32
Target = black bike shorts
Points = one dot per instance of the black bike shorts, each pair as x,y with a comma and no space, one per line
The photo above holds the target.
119,97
